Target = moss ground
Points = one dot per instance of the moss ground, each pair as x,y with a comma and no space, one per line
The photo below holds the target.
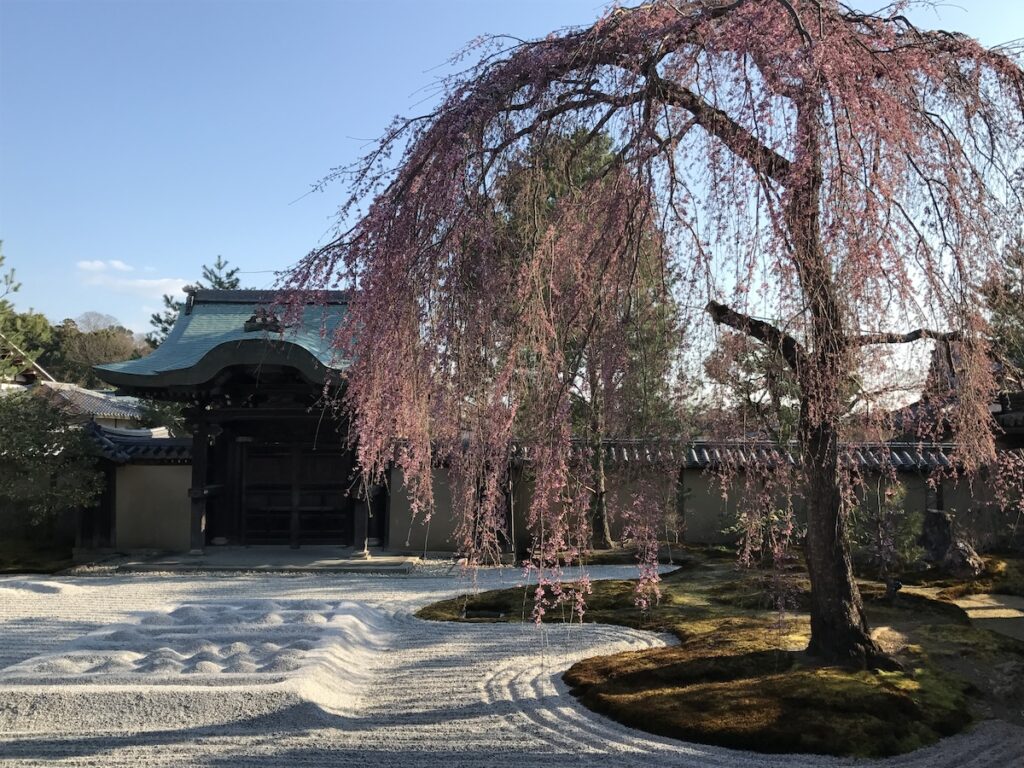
739,677
1004,575
19,555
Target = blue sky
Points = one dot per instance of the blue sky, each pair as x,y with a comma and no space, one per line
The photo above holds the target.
139,139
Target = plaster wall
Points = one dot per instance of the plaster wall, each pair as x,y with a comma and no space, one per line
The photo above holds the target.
152,507
416,536
694,506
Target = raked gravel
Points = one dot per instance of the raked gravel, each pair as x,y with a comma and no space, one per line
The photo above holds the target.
272,670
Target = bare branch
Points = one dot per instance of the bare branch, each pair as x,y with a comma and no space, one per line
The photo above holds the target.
764,332
866,339
762,158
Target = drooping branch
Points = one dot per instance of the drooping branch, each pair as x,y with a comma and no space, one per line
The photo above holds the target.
798,22
764,332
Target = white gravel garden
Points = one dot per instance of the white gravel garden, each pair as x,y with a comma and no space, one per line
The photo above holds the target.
328,669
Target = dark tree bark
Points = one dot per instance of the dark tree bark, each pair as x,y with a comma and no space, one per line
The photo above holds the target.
839,629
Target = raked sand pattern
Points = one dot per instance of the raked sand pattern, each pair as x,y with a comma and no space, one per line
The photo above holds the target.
327,670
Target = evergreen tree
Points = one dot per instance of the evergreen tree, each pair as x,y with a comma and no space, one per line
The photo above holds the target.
8,285
48,466
633,353
29,332
1004,294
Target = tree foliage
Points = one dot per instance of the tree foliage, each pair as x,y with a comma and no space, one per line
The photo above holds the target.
8,285
758,384
74,350
845,172
29,332
46,463
67,351
634,367
163,413
1004,295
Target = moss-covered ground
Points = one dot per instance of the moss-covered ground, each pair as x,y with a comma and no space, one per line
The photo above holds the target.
21,555
739,676
1003,575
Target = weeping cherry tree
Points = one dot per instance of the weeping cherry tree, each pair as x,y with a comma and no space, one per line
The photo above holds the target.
845,173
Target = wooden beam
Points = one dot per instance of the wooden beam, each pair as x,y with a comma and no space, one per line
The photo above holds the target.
298,413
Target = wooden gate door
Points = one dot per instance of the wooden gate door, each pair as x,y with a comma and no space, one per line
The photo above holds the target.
295,495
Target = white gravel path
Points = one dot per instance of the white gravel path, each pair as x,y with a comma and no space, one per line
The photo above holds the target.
264,670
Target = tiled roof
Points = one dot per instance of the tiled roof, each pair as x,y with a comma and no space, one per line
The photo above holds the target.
88,402
141,446
123,446
219,328
700,454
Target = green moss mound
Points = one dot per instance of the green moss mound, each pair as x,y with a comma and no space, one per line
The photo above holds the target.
739,677
771,701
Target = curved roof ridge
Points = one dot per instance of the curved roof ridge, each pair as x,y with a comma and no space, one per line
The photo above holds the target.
267,296
217,328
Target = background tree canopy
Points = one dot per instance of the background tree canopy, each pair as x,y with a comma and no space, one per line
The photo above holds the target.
69,350
47,465
633,363
1004,294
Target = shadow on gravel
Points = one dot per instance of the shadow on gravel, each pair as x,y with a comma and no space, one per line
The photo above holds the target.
293,720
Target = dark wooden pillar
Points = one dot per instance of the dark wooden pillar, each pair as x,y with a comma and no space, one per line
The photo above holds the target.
109,530
348,508
198,492
243,444
83,530
510,508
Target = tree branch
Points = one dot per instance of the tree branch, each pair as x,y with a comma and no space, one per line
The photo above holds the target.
738,139
788,347
866,339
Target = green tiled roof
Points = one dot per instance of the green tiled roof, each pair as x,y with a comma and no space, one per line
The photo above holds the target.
210,334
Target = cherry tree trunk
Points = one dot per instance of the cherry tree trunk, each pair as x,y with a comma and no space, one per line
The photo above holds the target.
602,535
839,630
